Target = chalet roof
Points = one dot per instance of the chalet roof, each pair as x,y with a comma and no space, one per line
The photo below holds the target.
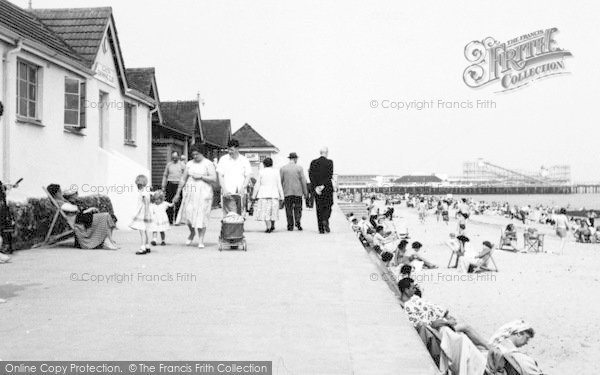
26,25
81,28
217,132
250,138
181,116
141,80
417,179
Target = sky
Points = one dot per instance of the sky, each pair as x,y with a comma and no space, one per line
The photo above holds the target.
308,74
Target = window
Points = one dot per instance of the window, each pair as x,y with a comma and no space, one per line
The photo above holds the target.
129,124
28,88
74,103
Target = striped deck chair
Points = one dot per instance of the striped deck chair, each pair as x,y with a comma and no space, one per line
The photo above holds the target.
51,239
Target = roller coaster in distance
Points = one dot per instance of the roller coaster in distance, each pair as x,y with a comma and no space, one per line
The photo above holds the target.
485,173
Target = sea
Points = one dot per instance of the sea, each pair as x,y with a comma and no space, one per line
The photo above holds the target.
568,201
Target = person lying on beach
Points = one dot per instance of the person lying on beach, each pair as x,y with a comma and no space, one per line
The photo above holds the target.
422,312
505,345
415,256
481,260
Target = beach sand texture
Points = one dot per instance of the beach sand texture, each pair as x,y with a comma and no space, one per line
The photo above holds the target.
558,294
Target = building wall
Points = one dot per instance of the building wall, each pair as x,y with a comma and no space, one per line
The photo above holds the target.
48,154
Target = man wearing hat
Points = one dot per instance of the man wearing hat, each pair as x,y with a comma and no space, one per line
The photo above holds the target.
293,182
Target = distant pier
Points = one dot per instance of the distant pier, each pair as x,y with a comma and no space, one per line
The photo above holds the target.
474,190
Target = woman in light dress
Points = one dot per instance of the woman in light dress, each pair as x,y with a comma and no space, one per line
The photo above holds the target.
196,185
269,192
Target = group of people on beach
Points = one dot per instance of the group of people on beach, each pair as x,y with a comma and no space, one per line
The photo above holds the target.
439,330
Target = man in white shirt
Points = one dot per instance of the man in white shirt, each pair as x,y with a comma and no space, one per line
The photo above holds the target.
234,171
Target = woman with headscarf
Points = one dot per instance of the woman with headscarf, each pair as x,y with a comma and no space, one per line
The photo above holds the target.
505,344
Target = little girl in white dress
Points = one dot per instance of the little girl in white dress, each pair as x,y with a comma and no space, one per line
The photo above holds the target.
142,219
160,219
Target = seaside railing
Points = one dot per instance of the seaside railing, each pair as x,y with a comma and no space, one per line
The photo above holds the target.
472,190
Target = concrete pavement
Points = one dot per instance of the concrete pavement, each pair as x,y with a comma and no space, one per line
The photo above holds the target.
311,303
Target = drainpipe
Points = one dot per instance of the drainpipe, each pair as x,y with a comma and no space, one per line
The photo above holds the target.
7,110
152,111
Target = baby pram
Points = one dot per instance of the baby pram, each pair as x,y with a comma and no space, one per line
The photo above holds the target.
232,233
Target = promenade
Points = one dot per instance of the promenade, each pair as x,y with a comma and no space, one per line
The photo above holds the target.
305,301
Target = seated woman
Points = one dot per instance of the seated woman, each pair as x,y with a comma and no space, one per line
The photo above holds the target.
582,233
417,259
505,344
400,257
380,239
510,237
93,229
480,263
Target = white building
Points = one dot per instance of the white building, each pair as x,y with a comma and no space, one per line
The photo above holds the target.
70,115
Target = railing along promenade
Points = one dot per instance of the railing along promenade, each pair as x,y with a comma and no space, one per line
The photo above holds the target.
472,190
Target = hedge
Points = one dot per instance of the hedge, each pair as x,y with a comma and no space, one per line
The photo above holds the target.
33,218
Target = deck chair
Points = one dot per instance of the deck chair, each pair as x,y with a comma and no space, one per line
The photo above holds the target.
432,341
51,239
533,243
506,241
457,254
488,268
507,363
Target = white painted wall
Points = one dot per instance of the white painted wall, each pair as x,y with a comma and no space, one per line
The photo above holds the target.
47,154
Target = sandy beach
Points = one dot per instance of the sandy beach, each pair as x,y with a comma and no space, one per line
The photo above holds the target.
557,294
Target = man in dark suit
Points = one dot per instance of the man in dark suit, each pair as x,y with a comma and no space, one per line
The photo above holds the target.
320,174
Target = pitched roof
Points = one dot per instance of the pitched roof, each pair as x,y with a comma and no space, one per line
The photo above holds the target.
417,179
250,138
81,28
26,25
141,80
217,132
180,115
